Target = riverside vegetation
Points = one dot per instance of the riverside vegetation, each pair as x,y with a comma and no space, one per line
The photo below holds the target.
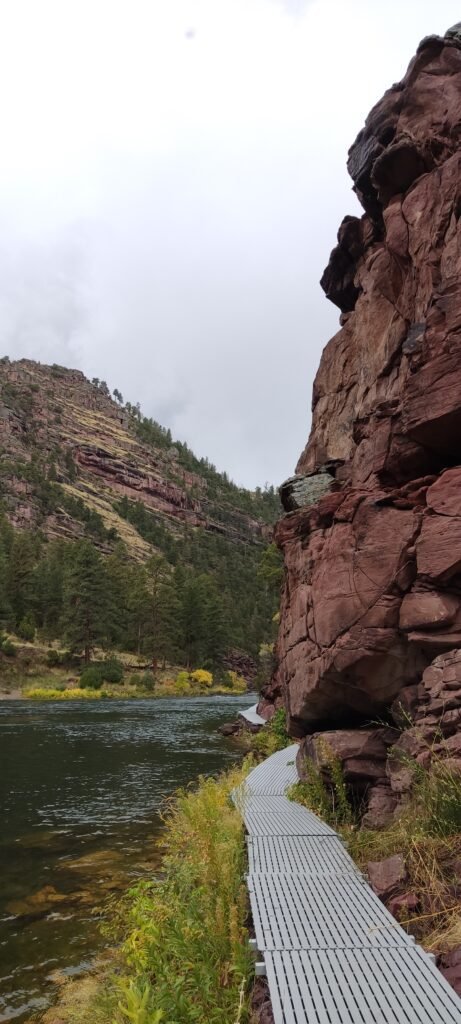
181,940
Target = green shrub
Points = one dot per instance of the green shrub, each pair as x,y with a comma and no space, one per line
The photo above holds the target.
273,736
8,648
278,725
26,629
148,681
225,679
136,679
91,678
112,671
52,658
436,796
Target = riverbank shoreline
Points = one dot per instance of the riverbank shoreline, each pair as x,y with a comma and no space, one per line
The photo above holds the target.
193,912
17,694
77,829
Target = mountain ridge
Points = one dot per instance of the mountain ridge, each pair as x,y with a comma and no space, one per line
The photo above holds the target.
108,443
77,464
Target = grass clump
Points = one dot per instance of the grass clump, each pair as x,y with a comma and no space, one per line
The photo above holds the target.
185,953
271,737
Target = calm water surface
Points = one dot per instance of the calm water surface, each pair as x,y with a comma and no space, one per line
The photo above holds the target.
81,787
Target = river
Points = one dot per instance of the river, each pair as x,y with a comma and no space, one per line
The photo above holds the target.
81,787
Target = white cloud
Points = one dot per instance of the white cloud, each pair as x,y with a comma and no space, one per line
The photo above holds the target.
172,179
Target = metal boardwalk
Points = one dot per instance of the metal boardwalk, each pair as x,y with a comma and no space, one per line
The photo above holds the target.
332,952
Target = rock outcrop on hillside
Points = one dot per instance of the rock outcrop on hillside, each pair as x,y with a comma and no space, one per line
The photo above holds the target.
50,415
372,534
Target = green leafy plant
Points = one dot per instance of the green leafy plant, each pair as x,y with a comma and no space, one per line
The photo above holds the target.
273,736
26,629
323,789
135,1004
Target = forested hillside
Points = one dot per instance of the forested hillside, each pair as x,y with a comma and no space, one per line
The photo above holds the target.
111,534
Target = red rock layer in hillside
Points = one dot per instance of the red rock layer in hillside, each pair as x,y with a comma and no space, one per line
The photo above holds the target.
372,538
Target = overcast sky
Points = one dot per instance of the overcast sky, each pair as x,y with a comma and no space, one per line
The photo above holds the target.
172,178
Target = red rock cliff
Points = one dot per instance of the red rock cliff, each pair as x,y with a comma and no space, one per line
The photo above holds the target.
372,535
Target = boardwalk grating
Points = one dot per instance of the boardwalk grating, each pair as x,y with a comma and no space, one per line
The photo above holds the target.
251,715
298,855
320,912
289,820
274,775
360,986
333,953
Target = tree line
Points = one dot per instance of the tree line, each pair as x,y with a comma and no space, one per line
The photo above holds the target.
67,591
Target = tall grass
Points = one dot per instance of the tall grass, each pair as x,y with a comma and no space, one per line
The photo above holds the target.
185,956
427,833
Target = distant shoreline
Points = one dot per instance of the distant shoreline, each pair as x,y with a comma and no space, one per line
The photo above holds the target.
18,695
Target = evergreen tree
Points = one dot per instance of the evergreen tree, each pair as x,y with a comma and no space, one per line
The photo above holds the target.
270,567
86,605
48,583
5,607
160,624
216,628
20,574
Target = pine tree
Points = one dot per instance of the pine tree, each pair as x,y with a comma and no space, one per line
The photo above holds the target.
86,605
20,574
216,629
5,607
48,583
160,630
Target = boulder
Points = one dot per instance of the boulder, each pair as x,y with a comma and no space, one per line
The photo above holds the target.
361,752
450,966
230,728
300,491
403,906
386,876
427,610
381,806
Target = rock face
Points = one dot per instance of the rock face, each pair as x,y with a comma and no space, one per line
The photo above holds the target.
372,588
